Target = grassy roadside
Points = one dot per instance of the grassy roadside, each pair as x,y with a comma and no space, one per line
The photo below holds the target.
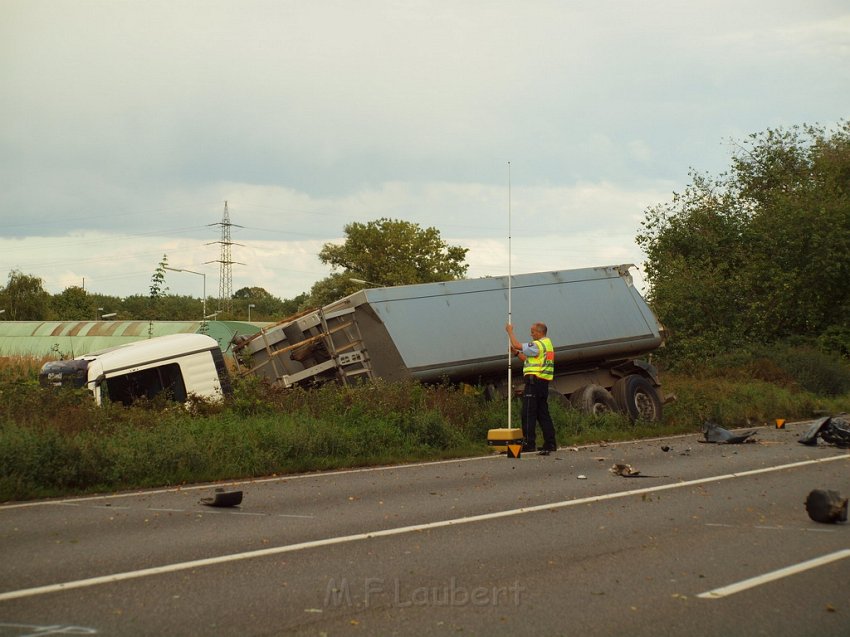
59,443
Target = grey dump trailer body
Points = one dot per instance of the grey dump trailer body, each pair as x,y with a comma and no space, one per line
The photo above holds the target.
598,323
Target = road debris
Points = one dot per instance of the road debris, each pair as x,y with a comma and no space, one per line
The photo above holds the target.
715,433
223,498
824,505
833,430
624,470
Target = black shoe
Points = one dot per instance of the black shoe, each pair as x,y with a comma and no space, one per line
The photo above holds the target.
548,448
529,448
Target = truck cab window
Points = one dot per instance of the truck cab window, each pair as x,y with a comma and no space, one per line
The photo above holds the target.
147,383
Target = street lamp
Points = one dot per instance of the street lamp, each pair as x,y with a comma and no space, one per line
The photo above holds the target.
110,315
213,315
203,274
362,282
250,305
3,312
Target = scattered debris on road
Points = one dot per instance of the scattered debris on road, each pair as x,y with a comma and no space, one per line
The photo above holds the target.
833,430
223,498
624,470
824,505
715,433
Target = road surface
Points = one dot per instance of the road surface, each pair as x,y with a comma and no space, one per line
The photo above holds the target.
708,539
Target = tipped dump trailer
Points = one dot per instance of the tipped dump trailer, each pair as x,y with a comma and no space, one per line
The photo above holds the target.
455,330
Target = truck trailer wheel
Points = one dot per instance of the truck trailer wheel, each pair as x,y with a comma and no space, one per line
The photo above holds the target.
593,399
557,397
637,398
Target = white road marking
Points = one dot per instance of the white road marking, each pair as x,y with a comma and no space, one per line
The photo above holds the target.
324,474
291,548
752,582
198,487
769,528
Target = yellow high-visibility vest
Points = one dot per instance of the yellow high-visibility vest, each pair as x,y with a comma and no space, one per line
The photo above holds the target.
542,365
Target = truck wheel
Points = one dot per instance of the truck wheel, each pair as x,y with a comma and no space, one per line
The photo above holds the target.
557,397
637,398
593,399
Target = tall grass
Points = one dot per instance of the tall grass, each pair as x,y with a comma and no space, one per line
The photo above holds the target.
54,443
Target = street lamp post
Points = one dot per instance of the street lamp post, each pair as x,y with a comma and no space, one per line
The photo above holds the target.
203,274
250,305
362,282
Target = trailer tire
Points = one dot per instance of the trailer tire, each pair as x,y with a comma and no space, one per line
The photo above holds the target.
593,400
637,397
557,397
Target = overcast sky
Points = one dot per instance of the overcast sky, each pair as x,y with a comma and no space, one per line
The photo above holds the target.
126,125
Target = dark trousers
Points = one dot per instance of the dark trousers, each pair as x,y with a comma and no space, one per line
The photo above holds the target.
535,409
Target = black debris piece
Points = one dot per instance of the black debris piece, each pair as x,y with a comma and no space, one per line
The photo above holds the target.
810,436
837,433
715,433
833,430
223,498
826,506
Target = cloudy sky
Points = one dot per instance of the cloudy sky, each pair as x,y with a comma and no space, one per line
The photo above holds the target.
126,125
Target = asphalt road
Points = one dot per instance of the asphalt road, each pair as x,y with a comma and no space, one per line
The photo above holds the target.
708,540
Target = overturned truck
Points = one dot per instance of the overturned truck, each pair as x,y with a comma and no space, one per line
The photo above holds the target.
455,330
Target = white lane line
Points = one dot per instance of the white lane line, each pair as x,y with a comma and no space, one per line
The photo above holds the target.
287,478
331,474
768,528
291,548
752,582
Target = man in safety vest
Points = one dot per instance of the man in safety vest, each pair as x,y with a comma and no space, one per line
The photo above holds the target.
538,369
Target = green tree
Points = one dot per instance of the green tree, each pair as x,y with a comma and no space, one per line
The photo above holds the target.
157,292
24,298
74,304
387,252
762,252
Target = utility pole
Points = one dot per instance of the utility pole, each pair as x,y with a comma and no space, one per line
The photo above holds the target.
225,278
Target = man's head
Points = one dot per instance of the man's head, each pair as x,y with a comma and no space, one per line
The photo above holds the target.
538,330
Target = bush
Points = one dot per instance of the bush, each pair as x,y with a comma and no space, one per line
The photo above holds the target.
815,371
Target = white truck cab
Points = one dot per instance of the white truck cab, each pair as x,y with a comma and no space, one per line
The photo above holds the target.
181,365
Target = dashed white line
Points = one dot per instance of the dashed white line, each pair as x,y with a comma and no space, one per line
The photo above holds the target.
752,582
291,548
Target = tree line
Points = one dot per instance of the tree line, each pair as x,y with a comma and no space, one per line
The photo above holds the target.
381,252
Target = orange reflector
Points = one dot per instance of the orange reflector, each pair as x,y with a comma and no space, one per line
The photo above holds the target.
780,423
514,451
